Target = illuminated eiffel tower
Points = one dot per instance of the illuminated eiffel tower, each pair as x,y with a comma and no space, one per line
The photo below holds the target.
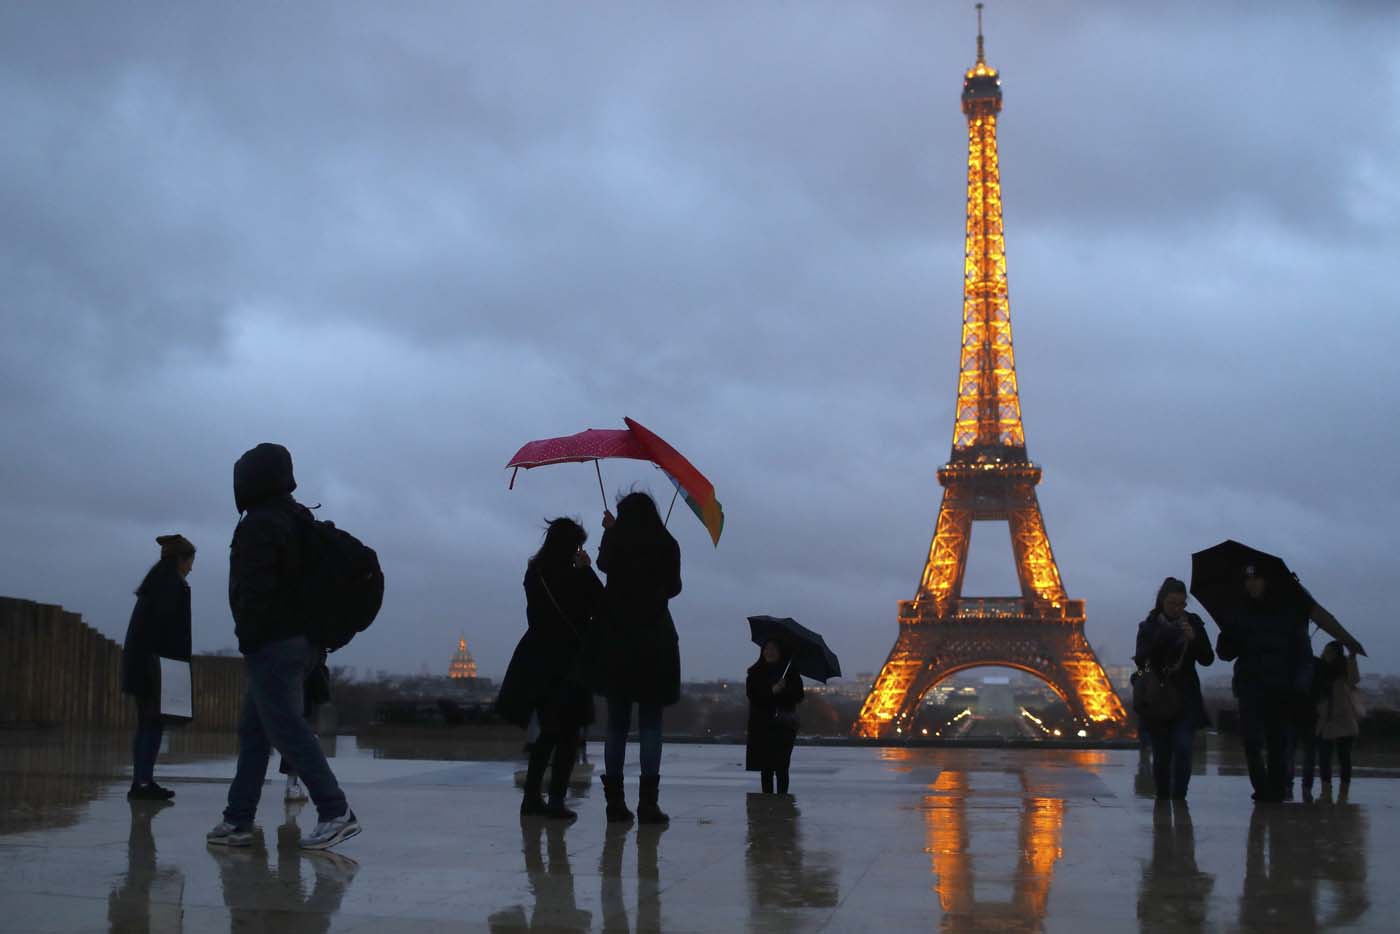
988,477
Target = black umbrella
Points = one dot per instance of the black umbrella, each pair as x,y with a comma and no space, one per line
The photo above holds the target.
1217,579
807,649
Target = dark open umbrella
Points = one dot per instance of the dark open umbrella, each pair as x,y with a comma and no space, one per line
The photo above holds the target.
1217,579
808,650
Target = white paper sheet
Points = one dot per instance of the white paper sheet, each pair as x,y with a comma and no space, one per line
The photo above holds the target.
176,696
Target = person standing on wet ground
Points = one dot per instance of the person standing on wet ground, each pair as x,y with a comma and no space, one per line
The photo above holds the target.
1268,641
636,655
1335,677
159,628
1173,642
544,679
775,689
267,571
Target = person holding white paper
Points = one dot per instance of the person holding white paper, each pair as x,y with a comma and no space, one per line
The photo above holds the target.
159,628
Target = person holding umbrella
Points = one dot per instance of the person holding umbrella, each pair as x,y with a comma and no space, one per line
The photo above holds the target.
774,688
1172,642
1266,636
562,598
1263,612
636,655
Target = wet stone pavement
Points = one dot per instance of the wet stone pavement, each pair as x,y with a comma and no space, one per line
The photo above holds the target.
872,840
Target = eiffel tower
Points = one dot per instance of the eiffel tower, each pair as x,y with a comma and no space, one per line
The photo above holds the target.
988,477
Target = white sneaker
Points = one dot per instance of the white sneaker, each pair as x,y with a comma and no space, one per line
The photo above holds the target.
330,832
295,791
226,834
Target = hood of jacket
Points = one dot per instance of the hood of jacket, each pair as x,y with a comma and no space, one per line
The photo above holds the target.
262,474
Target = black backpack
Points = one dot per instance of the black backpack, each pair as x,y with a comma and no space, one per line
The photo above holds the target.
342,584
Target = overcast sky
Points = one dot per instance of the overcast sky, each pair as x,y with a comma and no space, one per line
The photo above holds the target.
404,239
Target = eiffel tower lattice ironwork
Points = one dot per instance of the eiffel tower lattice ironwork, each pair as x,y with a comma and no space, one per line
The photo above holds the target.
988,477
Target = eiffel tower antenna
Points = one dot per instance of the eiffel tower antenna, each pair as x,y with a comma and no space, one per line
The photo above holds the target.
988,478
981,53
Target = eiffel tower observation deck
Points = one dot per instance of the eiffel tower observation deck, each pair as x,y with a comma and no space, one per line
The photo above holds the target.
989,477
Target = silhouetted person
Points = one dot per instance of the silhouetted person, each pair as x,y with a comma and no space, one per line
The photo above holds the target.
266,575
159,628
544,679
1173,642
637,651
775,689
1267,640
1337,723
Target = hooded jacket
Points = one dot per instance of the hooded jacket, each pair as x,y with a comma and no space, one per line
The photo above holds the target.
265,557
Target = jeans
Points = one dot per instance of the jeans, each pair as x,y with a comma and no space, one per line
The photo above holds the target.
648,731
1172,743
1264,725
145,744
272,717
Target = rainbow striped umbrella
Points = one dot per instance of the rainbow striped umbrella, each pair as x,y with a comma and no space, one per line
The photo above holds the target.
635,442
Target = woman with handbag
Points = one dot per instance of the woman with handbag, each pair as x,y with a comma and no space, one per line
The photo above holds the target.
159,628
775,689
562,597
1170,643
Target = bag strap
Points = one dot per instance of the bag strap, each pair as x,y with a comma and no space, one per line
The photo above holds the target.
562,615
1180,659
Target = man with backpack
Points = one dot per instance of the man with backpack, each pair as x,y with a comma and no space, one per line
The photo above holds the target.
272,567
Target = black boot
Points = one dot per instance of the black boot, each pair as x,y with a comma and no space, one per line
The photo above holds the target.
616,799
559,783
647,810
532,805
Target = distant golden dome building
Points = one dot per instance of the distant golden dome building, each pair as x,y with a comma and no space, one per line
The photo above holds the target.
463,665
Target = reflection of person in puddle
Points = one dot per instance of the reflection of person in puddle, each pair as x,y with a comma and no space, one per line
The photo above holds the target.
1174,894
776,860
252,891
1339,853
648,878
149,897
551,883
1290,851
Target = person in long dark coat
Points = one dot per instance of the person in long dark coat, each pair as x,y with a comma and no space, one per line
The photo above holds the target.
159,628
775,689
636,658
562,598
1174,641
1267,639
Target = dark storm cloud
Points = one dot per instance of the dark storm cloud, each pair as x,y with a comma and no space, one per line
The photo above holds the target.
404,241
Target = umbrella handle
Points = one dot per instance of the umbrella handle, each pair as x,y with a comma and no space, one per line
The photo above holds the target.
786,669
601,491
667,520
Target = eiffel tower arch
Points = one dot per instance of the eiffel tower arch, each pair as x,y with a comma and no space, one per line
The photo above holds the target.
989,477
